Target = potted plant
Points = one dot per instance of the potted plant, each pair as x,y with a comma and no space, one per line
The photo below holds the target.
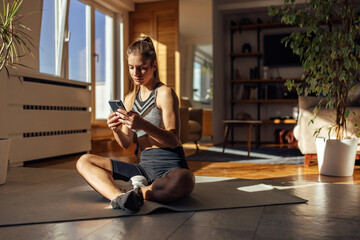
14,44
329,49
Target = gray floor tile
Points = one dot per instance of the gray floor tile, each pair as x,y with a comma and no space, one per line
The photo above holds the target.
330,200
150,227
209,233
35,175
14,187
285,226
244,219
69,230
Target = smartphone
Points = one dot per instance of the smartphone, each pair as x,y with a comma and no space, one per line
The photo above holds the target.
116,104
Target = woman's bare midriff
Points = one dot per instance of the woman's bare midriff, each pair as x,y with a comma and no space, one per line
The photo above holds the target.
147,142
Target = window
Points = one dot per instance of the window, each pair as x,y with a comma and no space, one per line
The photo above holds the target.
197,81
202,75
52,31
79,50
66,47
103,64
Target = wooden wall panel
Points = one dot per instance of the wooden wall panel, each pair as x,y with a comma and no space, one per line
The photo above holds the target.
156,6
160,20
140,24
166,34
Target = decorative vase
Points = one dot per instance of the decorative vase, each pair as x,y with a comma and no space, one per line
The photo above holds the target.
336,157
4,156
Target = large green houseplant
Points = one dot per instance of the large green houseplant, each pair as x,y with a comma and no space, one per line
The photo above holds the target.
14,44
328,45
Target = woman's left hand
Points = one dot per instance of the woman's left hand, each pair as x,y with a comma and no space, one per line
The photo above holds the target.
131,119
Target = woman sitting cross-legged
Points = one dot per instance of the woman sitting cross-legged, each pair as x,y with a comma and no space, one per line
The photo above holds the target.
153,114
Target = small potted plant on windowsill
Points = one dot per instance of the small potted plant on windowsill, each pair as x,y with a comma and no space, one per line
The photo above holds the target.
329,50
14,44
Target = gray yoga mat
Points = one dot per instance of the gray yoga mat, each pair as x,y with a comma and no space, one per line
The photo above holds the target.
60,196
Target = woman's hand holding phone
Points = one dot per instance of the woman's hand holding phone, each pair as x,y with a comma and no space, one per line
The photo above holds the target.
116,104
113,121
120,116
116,118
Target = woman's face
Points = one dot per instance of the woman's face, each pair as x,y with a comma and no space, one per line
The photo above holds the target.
140,69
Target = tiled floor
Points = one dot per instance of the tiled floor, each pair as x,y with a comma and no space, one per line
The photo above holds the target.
332,211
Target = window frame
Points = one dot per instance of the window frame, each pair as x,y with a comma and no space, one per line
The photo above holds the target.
95,6
63,72
201,57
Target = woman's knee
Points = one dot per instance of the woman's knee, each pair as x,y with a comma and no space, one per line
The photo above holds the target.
83,161
88,160
182,184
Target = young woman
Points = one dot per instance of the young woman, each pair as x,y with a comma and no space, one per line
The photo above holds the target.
153,115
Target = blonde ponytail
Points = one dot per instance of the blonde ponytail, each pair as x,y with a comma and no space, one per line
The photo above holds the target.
145,47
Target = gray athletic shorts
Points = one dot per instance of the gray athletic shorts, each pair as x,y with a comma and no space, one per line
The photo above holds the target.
154,163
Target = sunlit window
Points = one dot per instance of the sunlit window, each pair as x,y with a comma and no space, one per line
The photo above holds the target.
197,81
103,63
79,50
52,35
202,77
66,47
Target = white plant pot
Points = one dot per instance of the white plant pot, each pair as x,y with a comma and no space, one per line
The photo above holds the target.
4,156
336,157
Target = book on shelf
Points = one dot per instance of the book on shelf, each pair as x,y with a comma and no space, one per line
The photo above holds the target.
245,93
253,93
240,91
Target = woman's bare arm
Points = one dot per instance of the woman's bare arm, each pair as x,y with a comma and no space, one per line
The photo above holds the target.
168,102
122,134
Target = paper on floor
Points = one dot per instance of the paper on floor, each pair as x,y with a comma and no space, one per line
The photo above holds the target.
256,188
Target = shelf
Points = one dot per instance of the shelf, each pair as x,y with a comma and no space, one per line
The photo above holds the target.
248,54
264,101
267,121
280,121
256,88
266,80
259,26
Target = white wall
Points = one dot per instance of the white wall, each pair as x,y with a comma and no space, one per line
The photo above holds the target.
219,102
3,104
31,10
195,28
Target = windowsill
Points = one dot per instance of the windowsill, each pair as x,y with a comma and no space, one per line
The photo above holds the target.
44,76
99,124
198,104
101,131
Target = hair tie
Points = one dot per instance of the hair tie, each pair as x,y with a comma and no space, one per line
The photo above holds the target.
146,39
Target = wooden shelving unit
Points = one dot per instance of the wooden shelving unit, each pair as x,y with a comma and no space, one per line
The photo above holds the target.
245,55
267,80
264,101
280,121
263,94
258,26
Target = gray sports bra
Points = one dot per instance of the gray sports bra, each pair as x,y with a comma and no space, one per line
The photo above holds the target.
149,110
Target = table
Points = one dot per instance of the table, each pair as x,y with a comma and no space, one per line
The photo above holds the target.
239,123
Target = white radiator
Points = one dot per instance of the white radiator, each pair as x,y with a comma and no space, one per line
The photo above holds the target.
47,118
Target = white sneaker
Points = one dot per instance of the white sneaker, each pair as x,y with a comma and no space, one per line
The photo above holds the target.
138,181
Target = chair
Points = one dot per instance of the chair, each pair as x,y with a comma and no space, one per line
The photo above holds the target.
191,125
